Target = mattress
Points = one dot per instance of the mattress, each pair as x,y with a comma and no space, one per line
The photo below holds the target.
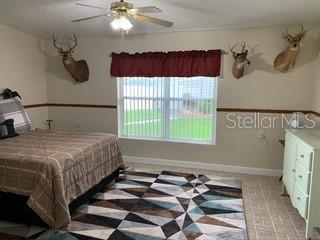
54,168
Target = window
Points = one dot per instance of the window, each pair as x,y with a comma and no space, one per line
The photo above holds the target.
170,108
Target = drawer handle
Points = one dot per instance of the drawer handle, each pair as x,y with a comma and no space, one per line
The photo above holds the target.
300,176
302,156
298,198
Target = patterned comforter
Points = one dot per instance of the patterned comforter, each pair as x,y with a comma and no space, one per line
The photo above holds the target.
54,168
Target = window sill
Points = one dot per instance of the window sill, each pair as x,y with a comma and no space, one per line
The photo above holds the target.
168,141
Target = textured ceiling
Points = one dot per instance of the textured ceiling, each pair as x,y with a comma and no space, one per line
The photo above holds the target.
42,17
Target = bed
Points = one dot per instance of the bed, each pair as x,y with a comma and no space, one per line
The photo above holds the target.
47,174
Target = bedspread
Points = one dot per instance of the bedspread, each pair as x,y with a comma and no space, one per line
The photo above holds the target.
54,168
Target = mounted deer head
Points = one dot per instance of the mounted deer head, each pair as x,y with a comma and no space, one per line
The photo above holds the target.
79,70
286,60
240,60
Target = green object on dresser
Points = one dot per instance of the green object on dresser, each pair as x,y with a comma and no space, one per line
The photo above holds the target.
301,174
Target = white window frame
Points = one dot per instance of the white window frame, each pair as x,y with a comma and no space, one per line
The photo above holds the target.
166,99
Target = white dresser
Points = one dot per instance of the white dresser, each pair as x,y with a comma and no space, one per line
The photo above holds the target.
301,174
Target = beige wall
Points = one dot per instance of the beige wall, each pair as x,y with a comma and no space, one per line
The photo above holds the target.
260,88
23,68
316,90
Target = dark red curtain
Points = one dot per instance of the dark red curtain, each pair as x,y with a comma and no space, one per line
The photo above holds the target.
171,64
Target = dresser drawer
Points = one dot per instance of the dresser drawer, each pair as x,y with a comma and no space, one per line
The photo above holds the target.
304,155
302,177
300,201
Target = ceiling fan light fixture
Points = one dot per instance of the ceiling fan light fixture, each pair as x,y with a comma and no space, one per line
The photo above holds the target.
121,23
115,24
123,11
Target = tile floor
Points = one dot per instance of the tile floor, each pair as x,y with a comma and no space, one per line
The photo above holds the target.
269,216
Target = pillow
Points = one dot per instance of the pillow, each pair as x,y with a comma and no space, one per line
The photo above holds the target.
7,129
12,109
8,93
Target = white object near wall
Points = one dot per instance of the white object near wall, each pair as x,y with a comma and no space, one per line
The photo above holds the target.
301,174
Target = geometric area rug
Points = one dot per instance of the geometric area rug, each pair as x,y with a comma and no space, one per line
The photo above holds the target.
154,206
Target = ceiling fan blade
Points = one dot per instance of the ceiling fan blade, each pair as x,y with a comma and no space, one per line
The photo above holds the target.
85,5
89,18
152,20
150,9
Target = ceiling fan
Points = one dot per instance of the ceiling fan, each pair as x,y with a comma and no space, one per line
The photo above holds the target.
122,10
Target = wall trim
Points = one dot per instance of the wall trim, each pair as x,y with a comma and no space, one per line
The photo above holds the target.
81,105
315,113
70,105
36,105
259,110
202,166
249,110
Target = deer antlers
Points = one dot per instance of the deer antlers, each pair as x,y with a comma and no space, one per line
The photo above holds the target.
240,60
78,69
286,60
297,38
243,45
71,48
55,44
75,41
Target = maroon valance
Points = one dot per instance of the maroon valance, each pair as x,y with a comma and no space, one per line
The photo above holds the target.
170,64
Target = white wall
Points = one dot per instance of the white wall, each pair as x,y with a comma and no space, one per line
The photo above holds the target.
23,68
261,88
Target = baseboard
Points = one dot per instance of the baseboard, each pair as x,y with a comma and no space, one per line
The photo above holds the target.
202,166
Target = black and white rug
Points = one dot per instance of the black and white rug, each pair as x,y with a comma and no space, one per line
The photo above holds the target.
154,206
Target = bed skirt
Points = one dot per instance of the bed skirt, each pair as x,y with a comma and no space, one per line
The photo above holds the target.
14,207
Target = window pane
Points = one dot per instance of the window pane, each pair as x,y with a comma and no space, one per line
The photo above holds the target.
191,107
142,87
181,109
143,107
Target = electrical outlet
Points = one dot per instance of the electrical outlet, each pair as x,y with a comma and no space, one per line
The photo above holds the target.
78,124
261,134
